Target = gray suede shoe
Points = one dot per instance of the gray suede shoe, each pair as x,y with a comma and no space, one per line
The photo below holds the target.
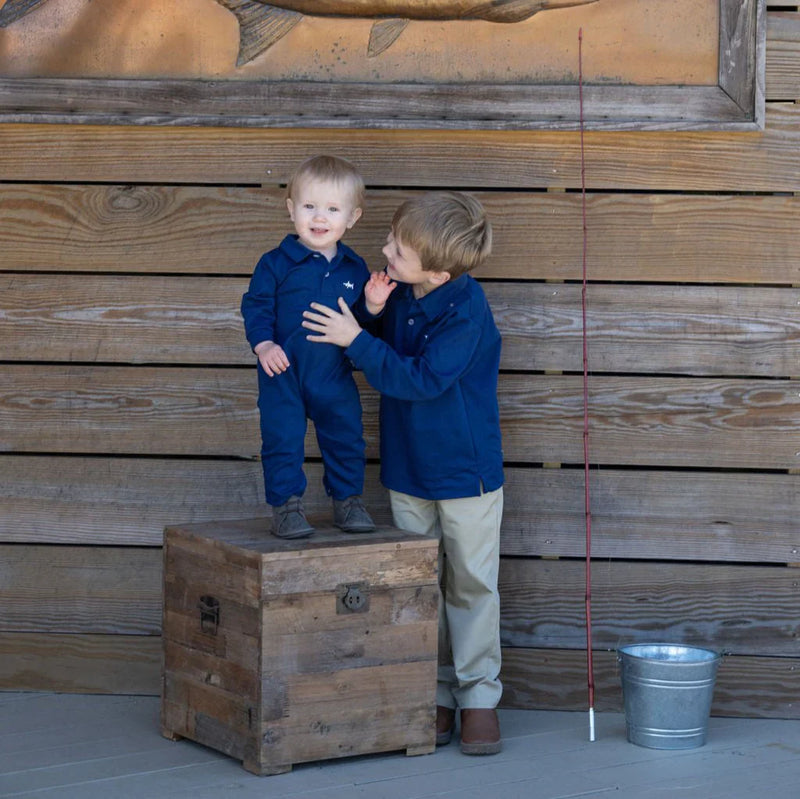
289,520
351,516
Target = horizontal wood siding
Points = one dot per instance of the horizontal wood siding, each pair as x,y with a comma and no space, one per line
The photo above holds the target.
707,161
646,421
705,238
127,400
702,330
641,513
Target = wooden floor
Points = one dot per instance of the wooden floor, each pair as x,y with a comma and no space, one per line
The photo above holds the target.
96,747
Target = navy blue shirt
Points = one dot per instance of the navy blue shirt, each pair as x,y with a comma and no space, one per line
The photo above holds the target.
435,362
285,282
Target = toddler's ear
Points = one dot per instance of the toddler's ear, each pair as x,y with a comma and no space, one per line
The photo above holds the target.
290,208
354,217
440,278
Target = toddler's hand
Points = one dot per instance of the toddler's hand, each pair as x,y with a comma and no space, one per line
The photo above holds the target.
377,291
272,358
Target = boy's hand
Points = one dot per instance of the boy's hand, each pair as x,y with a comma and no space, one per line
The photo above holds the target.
333,327
272,358
377,291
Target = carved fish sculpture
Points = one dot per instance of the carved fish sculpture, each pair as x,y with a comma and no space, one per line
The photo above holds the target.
263,23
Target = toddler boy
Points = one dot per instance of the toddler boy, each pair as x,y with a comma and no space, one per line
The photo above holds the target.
298,380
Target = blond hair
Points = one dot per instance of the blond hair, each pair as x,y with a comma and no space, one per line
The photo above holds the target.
448,230
329,168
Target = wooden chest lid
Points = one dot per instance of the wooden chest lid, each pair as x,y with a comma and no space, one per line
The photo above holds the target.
254,535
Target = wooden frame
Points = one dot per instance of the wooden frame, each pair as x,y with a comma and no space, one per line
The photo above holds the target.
736,102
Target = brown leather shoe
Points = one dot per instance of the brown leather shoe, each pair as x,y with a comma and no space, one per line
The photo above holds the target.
480,731
445,723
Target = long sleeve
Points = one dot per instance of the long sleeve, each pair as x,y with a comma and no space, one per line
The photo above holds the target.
446,354
258,304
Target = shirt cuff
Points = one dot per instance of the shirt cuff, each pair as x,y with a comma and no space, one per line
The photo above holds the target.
356,351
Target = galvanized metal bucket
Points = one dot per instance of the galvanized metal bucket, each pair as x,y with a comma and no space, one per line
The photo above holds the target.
667,690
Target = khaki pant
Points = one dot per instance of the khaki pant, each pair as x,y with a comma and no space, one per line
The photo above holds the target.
469,603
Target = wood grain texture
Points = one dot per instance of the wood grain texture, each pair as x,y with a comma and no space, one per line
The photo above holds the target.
742,610
742,44
388,557
393,106
103,590
124,319
651,421
281,618
649,329
783,55
139,228
211,230
641,513
736,423
136,410
129,501
708,161
756,687
737,609
645,329
92,664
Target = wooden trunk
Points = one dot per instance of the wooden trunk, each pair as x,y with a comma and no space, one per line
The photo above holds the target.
280,652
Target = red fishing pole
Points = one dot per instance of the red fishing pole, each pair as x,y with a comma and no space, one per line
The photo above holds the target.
587,504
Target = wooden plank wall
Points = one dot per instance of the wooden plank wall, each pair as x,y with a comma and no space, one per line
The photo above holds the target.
128,393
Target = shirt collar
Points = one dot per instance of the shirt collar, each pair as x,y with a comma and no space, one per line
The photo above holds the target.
438,300
298,252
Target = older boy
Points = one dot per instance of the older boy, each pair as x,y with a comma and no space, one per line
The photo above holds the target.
434,357
298,380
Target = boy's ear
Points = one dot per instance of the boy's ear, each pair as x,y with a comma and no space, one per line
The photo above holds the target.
440,278
354,217
290,207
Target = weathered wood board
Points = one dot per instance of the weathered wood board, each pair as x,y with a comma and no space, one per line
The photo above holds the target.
736,423
80,590
738,609
641,237
74,663
717,516
702,330
765,687
741,610
553,679
765,162
783,55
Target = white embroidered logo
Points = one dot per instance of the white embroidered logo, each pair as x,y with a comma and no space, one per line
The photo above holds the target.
349,285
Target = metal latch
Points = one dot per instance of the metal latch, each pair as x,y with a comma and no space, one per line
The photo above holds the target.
209,614
353,598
